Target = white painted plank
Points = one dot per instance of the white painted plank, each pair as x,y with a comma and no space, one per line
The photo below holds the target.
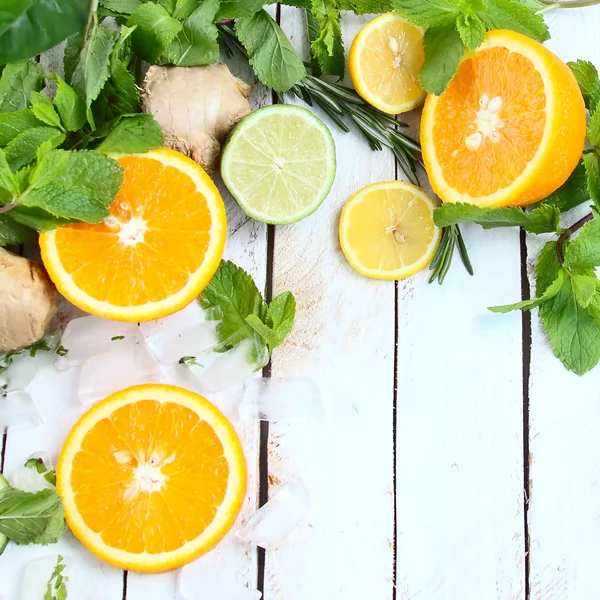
344,339
564,512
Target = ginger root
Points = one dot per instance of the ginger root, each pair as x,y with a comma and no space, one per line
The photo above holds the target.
28,301
196,107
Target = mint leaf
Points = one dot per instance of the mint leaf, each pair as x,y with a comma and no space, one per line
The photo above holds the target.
540,220
12,233
73,49
197,43
7,177
67,202
572,193
585,288
122,7
327,46
471,30
587,78
234,9
92,69
265,332
37,218
281,314
508,14
69,104
28,518
46,114
359,7
271,55
443,52
56,589
38,465
132,134
17,82
39,98
427,13
22,149
155,30
583,251
550,292
13,123
593,130
591,162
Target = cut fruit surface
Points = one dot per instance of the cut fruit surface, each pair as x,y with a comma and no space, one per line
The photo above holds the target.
156,252
279,164
510,127
387,230
384,63
151,478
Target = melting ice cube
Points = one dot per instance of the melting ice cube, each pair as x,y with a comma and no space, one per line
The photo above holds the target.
273,399
130,363
171,345
18,411
91,336
28,478
189,316
38,574
274,522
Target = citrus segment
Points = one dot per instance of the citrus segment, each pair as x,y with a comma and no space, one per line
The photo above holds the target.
384,63
279,164
151,478
387,230
510,127
154,254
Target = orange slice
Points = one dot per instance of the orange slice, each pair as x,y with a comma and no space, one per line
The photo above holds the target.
151,478
156,252
510,127
384,63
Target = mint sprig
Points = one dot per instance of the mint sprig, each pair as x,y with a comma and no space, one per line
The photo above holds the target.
455,26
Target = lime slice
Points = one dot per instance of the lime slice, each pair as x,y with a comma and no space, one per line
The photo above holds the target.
3,538
279,164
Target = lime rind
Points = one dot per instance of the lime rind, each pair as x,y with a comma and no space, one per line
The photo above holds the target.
279,208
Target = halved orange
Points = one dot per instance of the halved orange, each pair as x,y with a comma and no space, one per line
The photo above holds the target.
384,63
156,252
151,478
510,127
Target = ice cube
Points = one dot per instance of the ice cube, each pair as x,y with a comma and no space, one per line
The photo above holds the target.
28,479
274,399
187,317
205,578
276,520
38,574
171,345
87,337
18,411
130,363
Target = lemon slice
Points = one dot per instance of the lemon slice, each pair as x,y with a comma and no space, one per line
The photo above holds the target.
387,230
384,63
279,164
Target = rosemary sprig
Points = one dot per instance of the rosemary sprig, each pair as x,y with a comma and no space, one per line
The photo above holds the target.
381,130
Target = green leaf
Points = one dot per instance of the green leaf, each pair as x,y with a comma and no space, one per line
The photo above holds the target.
56,589
7,177
361,7
11,11
271,55
591,162
92,68
39,98
428,13
12,233
13,123
22,149
470,7
585,288
327,47
70,105
263,331
443,52
508,14
572,193
155,30
281,315
17,82
38,465
234,9
471,30
551,291
122,7
37,219
593,130
587,78
40,26
28,518
583,251
73,49
67,202
196,44
540,220
46,114
133,134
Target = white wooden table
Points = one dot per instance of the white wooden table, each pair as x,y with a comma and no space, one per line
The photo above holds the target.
462,461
